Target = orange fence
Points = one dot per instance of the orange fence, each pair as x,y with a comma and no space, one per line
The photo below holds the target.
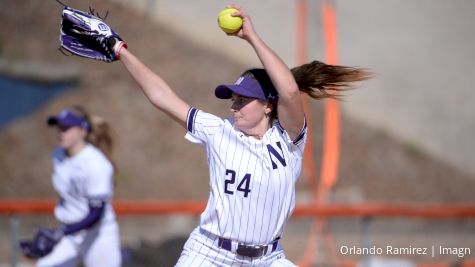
362,210
165,207
331,129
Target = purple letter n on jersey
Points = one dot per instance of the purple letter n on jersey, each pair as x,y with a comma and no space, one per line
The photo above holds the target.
279,157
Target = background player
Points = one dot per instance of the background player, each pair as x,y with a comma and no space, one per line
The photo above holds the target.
83,178
254,157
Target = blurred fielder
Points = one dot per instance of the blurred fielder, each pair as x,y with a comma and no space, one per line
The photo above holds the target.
83,178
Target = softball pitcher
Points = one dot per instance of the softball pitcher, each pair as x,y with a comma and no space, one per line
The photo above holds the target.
254,157
83,179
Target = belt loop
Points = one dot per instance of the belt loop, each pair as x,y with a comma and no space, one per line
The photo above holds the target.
274,245
225,243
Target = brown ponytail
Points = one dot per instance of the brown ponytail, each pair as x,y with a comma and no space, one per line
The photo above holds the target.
320,80
99,133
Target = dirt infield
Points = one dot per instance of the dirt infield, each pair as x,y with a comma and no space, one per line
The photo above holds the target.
154,160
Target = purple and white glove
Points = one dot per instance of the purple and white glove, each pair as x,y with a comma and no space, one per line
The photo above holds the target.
42,243
86,35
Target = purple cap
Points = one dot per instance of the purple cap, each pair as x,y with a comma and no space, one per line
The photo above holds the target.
253,83
68,118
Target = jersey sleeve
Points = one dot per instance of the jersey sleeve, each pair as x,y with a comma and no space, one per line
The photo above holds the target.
99,184
202,126
300,140
96,210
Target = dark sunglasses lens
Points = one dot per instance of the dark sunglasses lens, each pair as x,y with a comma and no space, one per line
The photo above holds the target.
63,128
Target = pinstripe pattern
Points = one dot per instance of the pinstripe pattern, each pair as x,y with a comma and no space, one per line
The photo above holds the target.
202,250
254,214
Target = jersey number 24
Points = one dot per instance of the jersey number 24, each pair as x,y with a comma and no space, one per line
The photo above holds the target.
243,185
246,180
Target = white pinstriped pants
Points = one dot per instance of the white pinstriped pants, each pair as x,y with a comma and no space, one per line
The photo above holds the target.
200,250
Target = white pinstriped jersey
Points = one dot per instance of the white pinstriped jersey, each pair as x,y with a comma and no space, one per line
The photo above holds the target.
79,179
252,181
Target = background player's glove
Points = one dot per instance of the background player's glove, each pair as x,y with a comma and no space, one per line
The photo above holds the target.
42,243
86,35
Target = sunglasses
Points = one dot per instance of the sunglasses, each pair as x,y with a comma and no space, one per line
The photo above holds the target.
64,128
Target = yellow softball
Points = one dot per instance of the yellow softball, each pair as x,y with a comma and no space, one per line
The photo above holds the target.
228,23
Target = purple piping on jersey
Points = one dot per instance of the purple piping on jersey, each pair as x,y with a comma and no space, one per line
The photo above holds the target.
95,214
302,133
191,118
300,136
280,127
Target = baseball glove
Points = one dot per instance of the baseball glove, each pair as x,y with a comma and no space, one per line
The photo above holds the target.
86,35
42,244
